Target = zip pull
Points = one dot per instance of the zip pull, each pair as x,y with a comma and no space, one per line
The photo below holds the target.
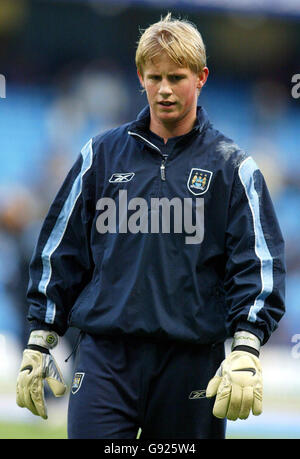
163,170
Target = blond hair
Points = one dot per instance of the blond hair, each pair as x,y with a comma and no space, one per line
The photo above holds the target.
179,38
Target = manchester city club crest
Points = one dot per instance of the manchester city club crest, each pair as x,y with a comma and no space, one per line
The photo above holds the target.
77,381
199,181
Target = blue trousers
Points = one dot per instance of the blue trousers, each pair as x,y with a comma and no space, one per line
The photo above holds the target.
122,384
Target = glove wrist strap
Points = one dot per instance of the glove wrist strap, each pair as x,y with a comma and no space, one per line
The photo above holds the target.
43,338
249,349
245,341
34,347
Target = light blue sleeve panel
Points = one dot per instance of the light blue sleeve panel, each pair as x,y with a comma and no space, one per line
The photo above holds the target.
246,173
58,231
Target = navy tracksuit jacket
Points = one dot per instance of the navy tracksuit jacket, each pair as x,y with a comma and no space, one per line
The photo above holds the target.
196,277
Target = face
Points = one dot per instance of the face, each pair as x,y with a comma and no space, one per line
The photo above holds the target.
172,91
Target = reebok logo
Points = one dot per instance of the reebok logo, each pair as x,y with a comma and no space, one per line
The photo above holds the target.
253,371
121,177
195,394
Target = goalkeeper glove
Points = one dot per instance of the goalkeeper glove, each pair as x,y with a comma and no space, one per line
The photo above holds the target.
38,364
237,383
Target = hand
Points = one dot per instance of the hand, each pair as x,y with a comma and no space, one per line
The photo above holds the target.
38,364
238,386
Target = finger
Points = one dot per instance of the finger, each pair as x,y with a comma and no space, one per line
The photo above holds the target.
213,386
24,399
28,402
22,383
19,394
257,402
222,403
57,387
247,402
37,396
235,402
55,379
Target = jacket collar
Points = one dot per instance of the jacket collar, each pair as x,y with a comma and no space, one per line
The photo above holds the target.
143,120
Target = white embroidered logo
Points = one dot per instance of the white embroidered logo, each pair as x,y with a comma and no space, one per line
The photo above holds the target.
121,177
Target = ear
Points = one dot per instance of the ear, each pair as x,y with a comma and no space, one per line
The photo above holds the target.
140,77
202,77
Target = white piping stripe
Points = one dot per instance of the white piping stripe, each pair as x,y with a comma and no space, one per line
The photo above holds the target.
146,140
59,229
246,174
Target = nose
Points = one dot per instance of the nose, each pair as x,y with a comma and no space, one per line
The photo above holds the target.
165,90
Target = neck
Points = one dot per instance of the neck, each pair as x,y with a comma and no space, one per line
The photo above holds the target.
168,130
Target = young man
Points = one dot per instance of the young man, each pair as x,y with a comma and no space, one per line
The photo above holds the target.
160,245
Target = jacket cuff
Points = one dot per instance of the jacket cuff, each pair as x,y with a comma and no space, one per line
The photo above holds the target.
36,325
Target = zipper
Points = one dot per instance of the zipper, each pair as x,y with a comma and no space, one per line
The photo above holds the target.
164,158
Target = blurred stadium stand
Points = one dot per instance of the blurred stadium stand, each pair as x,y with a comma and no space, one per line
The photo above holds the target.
70,74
